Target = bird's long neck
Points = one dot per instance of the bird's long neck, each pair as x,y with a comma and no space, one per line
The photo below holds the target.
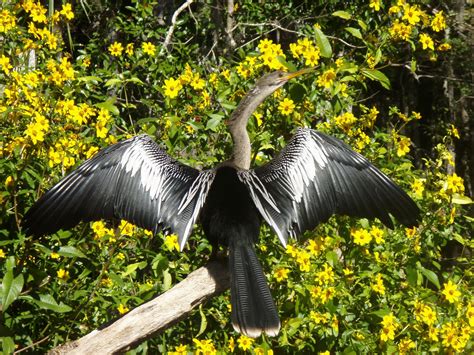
237,124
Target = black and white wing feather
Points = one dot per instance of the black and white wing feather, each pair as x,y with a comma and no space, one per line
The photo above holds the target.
133,180
316,176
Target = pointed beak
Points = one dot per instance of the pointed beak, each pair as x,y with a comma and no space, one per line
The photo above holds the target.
296,73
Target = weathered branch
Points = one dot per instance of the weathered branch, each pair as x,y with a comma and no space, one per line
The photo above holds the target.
155,315
169,35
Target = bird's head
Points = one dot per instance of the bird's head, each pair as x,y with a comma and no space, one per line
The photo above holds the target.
270,82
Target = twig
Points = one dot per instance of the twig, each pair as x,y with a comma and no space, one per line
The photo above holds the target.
169,35
31,345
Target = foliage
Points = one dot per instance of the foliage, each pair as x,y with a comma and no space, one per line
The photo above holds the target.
350,286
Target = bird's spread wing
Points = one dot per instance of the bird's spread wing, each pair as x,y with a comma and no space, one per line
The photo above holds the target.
133,180
316,176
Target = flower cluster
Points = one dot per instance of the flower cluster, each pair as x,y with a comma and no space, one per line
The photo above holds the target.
409,20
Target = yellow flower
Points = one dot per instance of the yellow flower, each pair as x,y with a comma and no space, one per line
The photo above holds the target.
5,64
265,45
405,346
66,11
403,146
426,41
444,47
38,13
433,334
171,242
389,326
312,56
412,14
410,232
327,78
361,236
197,82
451,292
315,247
2,253
438,23
378,286
287,106
454,184
375,4
100,230
377,234
116,49
399,30
120,256
325,276
302,258
148,48
281,274
245,342
172,88
470,313
428,315
290,249
455,336
63,274
126,228
129,49
179,350
122,308
7,21
319,318
418,187
9,182
54,255
205,347
345,121
231,344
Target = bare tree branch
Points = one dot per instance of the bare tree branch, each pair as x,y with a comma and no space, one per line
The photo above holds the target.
154,316
169,35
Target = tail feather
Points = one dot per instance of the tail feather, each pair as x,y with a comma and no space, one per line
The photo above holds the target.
253,309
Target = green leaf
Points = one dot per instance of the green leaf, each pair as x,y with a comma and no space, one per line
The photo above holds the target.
71,252
132,267
48,302
89,78
112,82
412,276
354,31
323,43
342,14
381,313
167,280
362,25
203,326
430,275
214,122
11,288
297,92
461,200
8,345
377,75
109,105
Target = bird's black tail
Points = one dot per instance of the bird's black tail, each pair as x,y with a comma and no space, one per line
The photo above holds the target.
253,309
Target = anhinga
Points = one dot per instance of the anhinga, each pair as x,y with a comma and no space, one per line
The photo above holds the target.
313,177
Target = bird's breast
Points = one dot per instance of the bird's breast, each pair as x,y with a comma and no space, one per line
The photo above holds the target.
229,209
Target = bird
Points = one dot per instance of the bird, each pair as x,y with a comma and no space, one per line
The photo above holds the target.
314,177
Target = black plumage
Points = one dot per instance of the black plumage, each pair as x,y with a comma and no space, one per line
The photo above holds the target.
314,177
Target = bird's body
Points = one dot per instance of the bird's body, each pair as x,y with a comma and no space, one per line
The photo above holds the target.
229,218
314,177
